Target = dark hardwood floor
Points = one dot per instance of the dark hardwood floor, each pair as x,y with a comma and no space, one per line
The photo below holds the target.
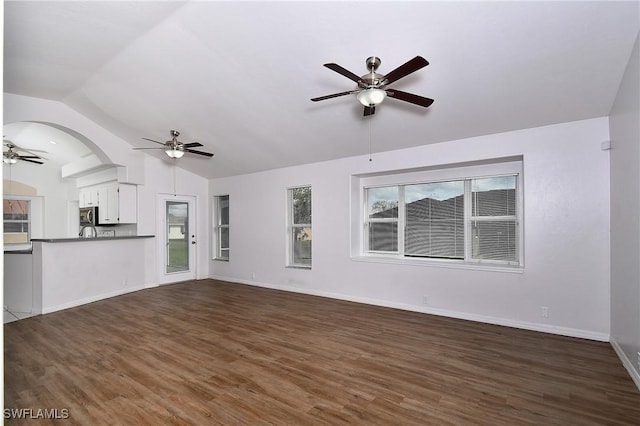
210,352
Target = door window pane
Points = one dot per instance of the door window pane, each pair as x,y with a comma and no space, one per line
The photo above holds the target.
177,220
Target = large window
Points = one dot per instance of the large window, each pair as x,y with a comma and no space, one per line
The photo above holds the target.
16,217
463,219
299,227
221,227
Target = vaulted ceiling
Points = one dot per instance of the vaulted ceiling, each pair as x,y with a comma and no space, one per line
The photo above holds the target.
238,76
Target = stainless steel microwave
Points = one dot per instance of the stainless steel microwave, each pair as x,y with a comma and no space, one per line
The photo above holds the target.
89,216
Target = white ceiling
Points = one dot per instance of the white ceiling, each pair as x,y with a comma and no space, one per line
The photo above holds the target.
238,76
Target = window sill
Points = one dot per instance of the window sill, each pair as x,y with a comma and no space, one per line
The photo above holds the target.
396,260
8,248
299,267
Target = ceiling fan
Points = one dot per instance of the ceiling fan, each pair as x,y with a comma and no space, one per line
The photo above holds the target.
372,87
176,149
13,155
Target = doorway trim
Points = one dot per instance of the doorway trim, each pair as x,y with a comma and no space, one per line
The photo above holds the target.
165,277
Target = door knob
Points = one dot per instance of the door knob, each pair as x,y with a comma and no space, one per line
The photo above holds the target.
193,242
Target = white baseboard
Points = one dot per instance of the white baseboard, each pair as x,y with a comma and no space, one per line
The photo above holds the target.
545,328
628,364
84,301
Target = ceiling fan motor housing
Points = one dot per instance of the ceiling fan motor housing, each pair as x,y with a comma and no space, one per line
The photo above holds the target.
372,79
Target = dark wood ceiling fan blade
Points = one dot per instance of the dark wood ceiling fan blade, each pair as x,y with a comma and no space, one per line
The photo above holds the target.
150,148
193,151
341,70
369,110
410,97
405,69
31,161
28,156
192,144
151,140
335,95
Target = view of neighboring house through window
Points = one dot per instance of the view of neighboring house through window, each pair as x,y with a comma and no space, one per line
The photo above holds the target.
16,217
221,227
494,223
300,234
473,219
383,219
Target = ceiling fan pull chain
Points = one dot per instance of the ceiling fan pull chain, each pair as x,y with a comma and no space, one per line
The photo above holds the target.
370,118
175,165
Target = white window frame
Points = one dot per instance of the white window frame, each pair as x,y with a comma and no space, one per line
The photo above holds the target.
492,168
291,226
36,220
27,221
218,226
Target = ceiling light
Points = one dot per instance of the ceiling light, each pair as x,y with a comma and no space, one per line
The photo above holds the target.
8,160
371,96
174,152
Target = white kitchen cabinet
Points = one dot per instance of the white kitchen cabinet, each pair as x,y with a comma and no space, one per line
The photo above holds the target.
117,203
88,197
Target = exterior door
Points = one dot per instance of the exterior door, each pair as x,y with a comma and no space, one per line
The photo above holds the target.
178,238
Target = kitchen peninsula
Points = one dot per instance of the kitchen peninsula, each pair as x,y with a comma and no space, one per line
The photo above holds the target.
69,272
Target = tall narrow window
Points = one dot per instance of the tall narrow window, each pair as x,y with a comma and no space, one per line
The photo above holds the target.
16,218
300,234
221,227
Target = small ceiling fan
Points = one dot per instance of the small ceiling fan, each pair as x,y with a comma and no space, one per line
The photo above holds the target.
372,87
176,149
12,155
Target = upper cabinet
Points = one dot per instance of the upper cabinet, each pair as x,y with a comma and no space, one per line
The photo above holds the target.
88,197
116,202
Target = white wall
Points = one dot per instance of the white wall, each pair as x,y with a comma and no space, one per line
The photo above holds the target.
625,218
566,228
161,181
54,192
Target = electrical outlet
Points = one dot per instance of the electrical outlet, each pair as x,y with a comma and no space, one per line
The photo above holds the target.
544,312
425,300
253,275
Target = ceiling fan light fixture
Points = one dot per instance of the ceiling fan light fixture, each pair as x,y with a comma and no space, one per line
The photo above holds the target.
9,160
371,96
174,152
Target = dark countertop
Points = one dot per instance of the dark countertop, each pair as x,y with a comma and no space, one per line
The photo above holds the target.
83,239
23,251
